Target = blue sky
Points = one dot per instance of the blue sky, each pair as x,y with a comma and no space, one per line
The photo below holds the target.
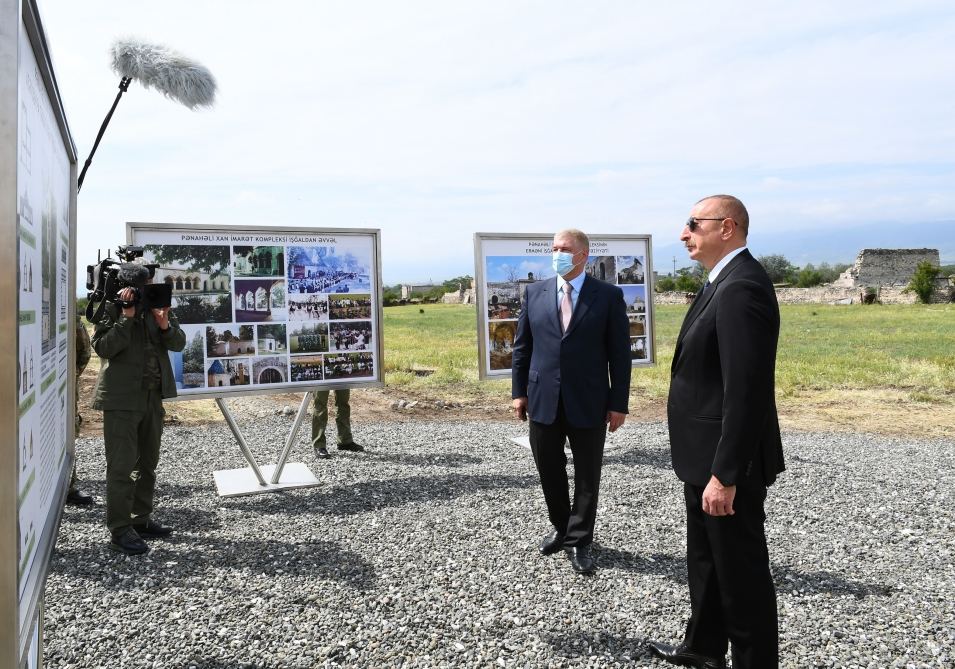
435,120
503,268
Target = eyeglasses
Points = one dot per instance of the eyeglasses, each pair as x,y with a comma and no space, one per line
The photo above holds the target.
693,222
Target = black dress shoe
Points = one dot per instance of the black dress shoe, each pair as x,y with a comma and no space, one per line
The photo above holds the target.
321,452
126,540
351,446
580,559
78,498
684,657
552,543
152,529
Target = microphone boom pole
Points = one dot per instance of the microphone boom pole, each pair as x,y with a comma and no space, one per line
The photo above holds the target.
155,66
123,87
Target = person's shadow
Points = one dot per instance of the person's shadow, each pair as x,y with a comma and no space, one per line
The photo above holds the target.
376,495
788,579
578,645
643,457
322,560
451,460
657,564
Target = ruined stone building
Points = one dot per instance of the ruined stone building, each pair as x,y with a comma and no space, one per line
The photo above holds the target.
408,290
885,267
883,273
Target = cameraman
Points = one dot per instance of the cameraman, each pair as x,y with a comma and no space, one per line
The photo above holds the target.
133,341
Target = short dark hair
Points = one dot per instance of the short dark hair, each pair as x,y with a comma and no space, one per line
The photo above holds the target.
733,208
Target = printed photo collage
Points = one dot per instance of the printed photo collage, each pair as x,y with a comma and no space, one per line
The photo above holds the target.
260,315
507,278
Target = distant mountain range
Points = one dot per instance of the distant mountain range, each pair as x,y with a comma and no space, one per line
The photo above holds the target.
836,245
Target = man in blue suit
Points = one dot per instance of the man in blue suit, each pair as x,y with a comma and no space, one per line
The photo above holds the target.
570,376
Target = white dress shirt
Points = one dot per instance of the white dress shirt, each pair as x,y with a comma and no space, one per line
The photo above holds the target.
711,277
576,282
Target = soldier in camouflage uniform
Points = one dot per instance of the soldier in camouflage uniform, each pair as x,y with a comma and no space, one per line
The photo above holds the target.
84,350
135,376
342,421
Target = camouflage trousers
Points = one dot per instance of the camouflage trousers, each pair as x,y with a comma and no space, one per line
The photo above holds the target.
342,417
132,440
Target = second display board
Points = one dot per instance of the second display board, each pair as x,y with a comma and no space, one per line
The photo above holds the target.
269,309
506,263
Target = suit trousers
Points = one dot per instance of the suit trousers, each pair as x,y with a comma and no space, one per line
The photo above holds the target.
132,441
342,417
732,596
574,521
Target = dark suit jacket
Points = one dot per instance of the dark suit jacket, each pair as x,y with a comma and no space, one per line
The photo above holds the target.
588,367
722,406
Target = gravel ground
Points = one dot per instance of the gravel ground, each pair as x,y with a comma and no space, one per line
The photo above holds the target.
421,552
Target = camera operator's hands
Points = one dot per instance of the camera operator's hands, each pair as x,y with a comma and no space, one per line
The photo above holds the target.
162,318
128,295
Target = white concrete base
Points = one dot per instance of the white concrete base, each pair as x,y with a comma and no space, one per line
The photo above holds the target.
238,482
522,441
526,443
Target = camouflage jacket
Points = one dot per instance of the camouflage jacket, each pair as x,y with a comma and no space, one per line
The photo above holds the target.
84,349
121,343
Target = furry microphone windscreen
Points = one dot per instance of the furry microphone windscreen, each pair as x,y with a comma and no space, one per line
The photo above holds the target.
133,273
172,74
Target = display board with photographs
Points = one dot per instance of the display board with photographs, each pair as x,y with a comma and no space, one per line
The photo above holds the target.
505,264
269,309
37,200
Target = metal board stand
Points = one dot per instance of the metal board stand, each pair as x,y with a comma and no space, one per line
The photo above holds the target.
251,480
525,441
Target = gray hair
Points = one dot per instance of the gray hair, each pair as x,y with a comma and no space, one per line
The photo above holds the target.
581,240
733,208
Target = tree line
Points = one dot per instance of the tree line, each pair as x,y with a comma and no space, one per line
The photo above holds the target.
781,271
778,267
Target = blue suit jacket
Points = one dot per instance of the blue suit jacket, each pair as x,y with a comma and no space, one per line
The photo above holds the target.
588,367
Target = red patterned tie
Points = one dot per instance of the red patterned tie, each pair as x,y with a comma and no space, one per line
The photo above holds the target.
566,307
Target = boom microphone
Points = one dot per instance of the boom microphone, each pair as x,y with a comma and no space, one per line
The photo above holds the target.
133,273
155,66
172,74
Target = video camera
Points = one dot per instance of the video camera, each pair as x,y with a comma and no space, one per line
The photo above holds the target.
109,276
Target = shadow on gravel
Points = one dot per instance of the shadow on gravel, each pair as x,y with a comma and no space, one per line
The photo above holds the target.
809,461
639,457
659,564
181,519
786,579
164,489
578,645
375,495
198,663
825,582
186,557
452,460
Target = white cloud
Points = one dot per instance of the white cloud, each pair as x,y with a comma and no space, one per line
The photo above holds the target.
433,120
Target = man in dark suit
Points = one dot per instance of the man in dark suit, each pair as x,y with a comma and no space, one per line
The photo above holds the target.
571,376
725,444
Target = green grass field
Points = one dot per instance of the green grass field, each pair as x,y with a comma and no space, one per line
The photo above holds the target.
908,348
880,369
